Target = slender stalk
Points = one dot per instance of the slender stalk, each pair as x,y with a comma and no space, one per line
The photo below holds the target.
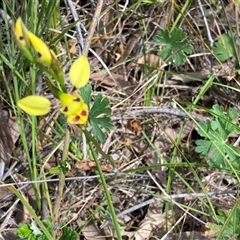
31,212
99,149
60,185
106,192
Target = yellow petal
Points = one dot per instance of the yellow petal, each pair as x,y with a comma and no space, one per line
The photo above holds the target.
80,72
20,32
43,51
35,105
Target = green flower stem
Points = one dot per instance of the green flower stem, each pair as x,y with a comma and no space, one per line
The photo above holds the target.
106,192
34,172
31,212
99,149
58,77
61,184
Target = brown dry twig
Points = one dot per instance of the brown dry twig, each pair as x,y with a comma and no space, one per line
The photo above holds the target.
92,27
156,110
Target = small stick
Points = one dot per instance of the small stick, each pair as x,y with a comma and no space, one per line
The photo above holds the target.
79,25
167,198
92,27
157,110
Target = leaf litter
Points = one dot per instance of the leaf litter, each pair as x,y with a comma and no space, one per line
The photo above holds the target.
83,202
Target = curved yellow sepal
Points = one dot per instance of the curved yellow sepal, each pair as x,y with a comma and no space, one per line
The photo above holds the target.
20,32
35,105
79,72
43,51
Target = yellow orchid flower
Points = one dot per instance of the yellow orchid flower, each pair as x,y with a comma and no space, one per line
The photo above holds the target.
72,106
80,72
35,105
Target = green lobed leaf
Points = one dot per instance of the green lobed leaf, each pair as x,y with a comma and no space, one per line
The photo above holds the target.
99,121
68,233
230,224
98,114
224,48
23,231
175,46
215,147
85,93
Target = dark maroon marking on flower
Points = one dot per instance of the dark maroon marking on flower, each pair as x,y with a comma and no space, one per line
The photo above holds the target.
76,119
77,100
84,113
74,89
39,54
65,109
21,38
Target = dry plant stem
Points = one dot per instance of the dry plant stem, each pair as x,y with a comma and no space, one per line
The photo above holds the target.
169,198
60,185
93,27
150,111
79,26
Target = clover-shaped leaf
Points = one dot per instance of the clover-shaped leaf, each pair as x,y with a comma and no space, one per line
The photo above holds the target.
175,45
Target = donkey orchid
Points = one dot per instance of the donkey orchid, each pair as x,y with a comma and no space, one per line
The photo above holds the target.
72,104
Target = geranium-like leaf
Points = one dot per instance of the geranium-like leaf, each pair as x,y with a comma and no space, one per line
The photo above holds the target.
174,46
214,146
224,48
98,113
98,117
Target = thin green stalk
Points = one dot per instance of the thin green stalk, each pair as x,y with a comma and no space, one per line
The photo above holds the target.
33,162
107,194
99,149
61,183
31,212
204,89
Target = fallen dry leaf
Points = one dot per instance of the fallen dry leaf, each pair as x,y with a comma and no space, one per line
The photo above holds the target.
154,218
73,46
135,126
151,60
89,231
89,165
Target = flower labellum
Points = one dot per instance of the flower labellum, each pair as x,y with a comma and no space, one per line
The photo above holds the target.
79,72
35,105
74,108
